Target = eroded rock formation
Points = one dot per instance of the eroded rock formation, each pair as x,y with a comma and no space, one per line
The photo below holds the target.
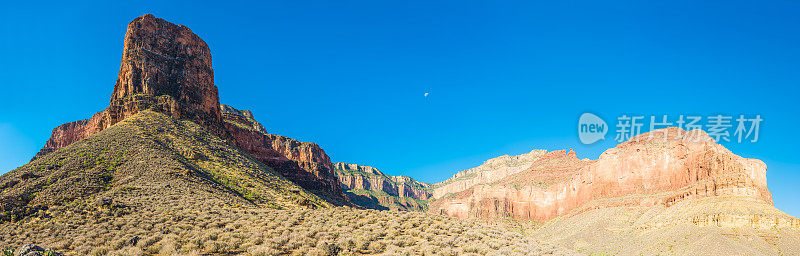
164,67
68,133
304,163
163,59
663,167
242,118
490,171
370,188
167,68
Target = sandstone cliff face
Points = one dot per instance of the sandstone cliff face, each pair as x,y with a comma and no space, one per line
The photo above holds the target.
164,67
68,133
664,169
161,58
370,188
408,187
167,68
490,171
301,162
242,118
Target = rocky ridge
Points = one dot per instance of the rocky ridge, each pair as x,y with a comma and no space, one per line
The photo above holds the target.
149,154
668,192
242,118
304,163
167,68
490,171
370,188
664,167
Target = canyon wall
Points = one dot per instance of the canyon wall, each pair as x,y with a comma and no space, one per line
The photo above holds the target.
370,188
663,167
490,171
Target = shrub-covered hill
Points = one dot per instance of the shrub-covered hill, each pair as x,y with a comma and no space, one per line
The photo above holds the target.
152,185
147,156
180,230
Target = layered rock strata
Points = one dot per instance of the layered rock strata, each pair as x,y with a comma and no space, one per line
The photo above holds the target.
164,66
370,188
167,68
304,163
663,167
490,171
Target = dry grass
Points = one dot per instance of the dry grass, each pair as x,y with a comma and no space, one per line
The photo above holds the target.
739,226
148,151
175,230
151,185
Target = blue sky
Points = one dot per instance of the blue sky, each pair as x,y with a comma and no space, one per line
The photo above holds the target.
502,78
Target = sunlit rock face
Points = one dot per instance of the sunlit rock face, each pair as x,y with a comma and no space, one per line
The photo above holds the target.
662,167
370,188
161,58
304,163
490,171
167,68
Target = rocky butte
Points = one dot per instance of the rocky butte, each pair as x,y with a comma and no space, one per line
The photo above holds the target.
167,68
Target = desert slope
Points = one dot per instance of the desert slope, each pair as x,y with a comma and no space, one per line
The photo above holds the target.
723,225
147,155
152,185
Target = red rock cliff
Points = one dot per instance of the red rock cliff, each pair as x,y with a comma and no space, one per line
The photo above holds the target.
167,68
66,134
304,163
660,170
490,171
161,58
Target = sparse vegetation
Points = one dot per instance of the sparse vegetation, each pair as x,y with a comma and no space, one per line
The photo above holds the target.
146,153
151,185
183,229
